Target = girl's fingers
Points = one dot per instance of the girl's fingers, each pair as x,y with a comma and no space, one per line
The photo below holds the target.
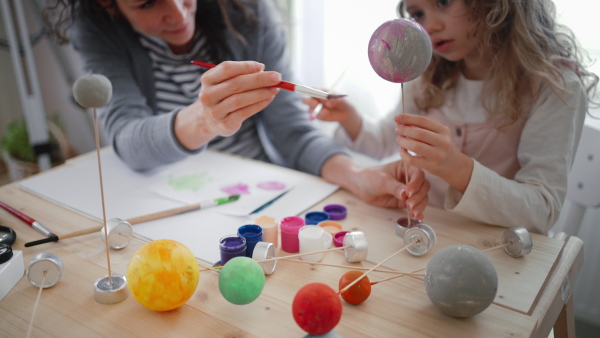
420,121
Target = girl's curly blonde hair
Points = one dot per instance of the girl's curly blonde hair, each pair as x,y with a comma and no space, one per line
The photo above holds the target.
527,47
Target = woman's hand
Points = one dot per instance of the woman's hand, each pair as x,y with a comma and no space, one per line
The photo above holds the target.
437,154
229,94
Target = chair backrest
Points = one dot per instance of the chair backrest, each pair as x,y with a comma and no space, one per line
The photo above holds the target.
584,179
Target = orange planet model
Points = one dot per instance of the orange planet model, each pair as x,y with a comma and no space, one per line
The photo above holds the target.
162,275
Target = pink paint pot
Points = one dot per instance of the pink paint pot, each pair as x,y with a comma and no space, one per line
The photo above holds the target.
289,227
338,238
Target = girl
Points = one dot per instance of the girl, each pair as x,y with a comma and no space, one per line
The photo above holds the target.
496,117
164,109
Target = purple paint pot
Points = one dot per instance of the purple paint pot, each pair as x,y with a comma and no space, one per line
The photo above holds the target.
232,246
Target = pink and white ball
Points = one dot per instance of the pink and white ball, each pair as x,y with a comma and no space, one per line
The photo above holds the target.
400,50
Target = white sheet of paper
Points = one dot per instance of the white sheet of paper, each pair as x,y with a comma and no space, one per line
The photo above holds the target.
128,194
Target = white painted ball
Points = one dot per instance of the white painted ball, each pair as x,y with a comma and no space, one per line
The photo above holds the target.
461,281
400,50
92,91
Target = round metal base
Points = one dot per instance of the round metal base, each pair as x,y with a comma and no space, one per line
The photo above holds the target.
41,263
262,251
119,233
425,239
107,293
358,246
520,239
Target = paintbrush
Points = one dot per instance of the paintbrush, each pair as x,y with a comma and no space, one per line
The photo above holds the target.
140,219
288,86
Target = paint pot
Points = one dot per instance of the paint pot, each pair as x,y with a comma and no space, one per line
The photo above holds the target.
289,227
313,238
270,229
231,246
338,238
336,211
264,251
402,225
314,217
253,234
331,227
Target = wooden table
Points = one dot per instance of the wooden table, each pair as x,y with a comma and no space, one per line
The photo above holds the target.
534,294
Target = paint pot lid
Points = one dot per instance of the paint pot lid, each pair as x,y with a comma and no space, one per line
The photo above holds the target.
336,211
338,238
314,217
6,253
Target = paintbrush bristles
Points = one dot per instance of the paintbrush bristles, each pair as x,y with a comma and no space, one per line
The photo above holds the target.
335,96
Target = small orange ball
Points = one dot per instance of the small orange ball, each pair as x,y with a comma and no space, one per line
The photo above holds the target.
358,292
162,275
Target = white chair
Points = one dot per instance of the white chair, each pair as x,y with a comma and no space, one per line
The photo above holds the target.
584,180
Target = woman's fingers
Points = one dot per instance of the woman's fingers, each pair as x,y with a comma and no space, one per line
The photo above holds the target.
233,78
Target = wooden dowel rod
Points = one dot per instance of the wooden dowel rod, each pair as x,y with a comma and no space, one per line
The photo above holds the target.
498,247
373,268
352,267
304,254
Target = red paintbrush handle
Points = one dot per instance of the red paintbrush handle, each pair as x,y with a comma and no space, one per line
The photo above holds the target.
287,86
17,213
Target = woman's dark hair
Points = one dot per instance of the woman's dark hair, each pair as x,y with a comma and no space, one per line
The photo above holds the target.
213,18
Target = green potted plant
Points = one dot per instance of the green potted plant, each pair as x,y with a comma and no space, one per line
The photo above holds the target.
18,154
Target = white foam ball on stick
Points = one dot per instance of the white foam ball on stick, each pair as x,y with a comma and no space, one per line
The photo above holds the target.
92,90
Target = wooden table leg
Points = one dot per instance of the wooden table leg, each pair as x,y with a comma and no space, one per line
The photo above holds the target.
565,323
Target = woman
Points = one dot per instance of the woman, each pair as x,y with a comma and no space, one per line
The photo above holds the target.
165,109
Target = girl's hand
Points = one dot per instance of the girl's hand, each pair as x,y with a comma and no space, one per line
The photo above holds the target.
230,93
333,110
384,186
437,154
338,110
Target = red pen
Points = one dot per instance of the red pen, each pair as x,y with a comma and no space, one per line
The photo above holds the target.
30,221
287,85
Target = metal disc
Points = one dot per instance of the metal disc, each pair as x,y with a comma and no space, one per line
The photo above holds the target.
357,252
520,239
119,233
107,293
46,262
263,251
425,237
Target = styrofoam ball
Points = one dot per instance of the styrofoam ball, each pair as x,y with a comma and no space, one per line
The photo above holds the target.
92,91
461,281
